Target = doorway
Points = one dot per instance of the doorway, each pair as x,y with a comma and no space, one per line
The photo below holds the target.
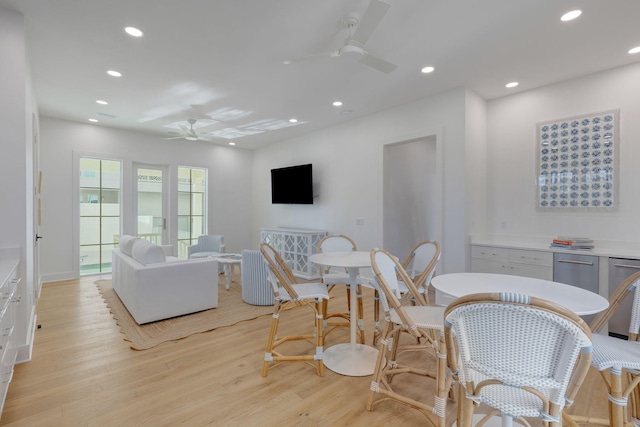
412,194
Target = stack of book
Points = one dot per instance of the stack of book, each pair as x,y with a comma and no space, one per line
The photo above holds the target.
570,242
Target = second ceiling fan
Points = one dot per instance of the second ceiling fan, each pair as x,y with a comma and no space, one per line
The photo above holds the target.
359,32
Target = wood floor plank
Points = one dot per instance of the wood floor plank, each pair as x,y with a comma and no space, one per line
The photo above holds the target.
83,373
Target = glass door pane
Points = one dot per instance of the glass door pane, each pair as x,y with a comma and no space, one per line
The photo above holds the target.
151,203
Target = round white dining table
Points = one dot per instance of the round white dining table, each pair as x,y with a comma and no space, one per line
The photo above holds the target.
353,359
578,300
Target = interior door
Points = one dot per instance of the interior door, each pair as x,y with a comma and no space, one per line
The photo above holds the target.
151,184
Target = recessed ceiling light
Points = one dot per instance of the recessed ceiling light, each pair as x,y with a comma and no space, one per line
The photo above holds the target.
570,16
292,120
512,84
427,70
337,103
232,143
93,120
635,49
114,73
133,31
101,102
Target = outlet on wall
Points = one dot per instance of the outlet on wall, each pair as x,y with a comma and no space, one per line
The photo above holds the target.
359,221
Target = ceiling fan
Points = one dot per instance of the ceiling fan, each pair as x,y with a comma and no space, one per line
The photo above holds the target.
355,41
189,132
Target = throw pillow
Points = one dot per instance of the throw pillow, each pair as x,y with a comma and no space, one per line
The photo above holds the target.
126,243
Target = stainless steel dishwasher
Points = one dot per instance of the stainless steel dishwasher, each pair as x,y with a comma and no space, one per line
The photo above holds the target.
620,269
577,270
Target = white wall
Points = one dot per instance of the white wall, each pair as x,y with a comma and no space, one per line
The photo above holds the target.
229,180
347,162
511,162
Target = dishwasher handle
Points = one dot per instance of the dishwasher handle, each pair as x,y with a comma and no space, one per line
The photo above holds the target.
569,261
627,266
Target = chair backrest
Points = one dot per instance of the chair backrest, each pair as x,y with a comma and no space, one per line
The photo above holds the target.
337,243
421,262
210,243
280,275
516,342
256,287
629,285
386,269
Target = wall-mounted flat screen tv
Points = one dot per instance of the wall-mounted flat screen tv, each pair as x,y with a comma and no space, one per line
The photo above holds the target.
292,185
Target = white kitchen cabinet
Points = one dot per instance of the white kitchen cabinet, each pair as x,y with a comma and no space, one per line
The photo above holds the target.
9,281
518,262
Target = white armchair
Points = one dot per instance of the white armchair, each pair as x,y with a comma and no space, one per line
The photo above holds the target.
207,246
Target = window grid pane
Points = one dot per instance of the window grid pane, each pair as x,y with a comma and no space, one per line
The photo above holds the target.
191,207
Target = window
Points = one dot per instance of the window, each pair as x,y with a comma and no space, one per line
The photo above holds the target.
99,213
191,207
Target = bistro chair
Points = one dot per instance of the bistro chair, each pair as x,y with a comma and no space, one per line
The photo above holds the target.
521,356
619,358
287,294
420,265
335,276
418,321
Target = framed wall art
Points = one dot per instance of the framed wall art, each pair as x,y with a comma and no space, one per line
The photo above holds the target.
577,163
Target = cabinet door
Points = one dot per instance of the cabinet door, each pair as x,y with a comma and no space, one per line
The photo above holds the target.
479,265
534,271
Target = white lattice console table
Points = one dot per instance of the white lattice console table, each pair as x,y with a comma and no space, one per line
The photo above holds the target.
295,245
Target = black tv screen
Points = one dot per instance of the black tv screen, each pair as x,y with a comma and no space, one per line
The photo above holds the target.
292,185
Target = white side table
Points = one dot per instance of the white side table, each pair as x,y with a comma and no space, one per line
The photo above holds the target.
228,261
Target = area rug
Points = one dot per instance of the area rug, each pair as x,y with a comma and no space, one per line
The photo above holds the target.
231,310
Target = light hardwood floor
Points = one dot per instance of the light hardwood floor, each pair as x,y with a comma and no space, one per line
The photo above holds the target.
84,374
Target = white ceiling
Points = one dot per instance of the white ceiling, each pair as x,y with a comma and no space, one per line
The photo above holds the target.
201,58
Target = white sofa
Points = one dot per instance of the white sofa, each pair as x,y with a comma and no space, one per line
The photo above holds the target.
155,285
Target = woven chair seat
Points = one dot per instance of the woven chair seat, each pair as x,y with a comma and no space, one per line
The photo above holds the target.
305,291
610,352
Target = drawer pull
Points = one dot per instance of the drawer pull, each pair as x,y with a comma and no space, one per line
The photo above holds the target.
627,266
568,261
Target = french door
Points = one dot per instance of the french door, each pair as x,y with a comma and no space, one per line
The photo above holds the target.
151,206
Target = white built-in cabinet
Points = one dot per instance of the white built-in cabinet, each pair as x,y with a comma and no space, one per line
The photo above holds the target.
295,245
9,297
518,262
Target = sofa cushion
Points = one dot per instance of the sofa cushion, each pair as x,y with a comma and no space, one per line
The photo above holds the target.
147,253
126,243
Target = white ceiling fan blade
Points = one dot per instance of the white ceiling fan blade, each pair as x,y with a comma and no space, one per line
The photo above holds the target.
377,63
173,137
370,20
311,57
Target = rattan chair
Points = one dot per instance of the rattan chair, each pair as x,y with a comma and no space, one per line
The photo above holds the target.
420,265
618,360
521,356
418,321
287,294
340,277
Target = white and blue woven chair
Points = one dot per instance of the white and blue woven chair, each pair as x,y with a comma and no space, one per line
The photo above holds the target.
521,356
420,322
619,358
287,293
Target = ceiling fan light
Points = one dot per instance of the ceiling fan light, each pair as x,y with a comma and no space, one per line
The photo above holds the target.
191,138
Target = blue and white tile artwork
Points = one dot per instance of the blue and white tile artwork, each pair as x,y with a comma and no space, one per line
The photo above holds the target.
590,142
